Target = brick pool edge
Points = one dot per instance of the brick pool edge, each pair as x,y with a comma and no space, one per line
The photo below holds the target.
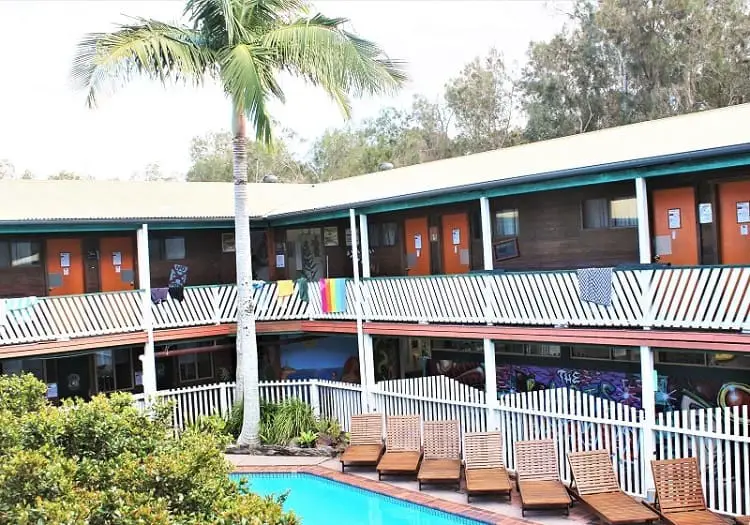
386,489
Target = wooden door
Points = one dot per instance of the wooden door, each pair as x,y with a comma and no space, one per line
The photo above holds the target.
675,226
116,264
456,237
734,223
65,267
417,246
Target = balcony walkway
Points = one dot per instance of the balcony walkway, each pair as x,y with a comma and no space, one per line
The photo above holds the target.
713,298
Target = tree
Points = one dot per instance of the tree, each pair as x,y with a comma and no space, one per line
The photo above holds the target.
482,100
243,45
152,173
211,155
105,462
7,169
68,175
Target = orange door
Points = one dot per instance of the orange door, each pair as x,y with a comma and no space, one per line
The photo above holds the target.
116,268
734,223
65,267
456,243
417,246
675,226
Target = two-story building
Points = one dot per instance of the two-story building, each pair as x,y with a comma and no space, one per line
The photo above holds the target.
616,262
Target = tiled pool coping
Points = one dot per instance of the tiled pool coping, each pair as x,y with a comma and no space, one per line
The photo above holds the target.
386,489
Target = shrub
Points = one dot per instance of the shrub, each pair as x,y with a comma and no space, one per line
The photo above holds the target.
104,462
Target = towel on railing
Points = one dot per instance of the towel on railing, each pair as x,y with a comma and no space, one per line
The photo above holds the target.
285,288
159,295
595,285
18,307
178,275
302,289
333,295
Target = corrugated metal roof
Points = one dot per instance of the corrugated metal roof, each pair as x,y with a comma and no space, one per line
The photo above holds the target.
112,200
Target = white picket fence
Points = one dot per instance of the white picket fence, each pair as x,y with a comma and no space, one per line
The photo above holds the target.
328,399
719,437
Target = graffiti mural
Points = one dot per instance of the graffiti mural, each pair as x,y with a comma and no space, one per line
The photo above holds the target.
333,358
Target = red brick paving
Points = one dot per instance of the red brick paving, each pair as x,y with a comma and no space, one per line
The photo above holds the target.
385,489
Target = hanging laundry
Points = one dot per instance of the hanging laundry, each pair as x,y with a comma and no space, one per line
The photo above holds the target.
285,288
333,295
178,275
159,295
257,285
177,293
595,285
302,289
19,308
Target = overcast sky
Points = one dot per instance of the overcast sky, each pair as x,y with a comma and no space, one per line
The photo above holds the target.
45,127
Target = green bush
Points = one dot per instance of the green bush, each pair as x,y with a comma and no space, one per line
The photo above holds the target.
104,462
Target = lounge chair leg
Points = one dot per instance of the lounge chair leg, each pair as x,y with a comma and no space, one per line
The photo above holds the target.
419,484
342,466
567,510
523,512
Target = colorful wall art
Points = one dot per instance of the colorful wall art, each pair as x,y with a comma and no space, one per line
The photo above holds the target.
334,358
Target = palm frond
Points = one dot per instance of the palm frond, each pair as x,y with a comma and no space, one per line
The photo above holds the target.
321,51
221,21
248,75
150,48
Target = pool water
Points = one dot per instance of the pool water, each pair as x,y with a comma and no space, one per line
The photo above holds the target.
319,501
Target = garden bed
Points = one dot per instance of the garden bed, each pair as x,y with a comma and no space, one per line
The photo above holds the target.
279,450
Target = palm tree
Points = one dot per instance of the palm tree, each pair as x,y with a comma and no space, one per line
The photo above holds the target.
243,45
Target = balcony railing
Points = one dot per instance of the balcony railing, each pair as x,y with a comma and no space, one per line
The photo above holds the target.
704,298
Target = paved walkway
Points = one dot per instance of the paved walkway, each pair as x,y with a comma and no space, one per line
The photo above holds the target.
449,498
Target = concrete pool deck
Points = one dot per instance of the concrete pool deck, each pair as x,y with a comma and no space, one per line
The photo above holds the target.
490,510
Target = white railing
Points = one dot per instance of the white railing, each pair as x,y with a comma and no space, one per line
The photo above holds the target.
330,399
68,316
705,298
720,439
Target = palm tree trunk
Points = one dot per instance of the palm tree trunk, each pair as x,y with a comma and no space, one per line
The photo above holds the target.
247,345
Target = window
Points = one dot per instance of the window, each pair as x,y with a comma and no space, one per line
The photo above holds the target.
194,367
506,223
114,370
609,213
19,253
169,248
373,235
384,234
18,366
390,234
537,350
605,353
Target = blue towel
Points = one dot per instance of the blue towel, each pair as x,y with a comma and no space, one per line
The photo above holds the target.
178,276
19,308
595,285
159,295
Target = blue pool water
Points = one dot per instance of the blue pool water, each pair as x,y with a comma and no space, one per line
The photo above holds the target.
319,501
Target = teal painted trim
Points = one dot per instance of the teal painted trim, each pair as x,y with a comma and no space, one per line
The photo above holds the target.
192,225
570,182
54,227
307,218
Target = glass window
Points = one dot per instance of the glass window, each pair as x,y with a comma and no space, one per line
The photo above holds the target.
123,369
373,235
589,352
195,366
18,366
4,255
154,249
105,372
623,213
540,350
174,248
506,223
681,358
390,234
595,214
114,370
24,253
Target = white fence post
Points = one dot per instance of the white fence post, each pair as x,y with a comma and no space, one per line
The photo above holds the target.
315,397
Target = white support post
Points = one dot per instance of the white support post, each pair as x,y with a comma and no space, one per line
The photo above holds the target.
364,233
148,360
358,311
490,368
644,229
484,206
648,402
369,380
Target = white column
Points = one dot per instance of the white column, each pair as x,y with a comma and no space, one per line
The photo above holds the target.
364,233
648,401
148,360
490,369
358,310
484,205
644,230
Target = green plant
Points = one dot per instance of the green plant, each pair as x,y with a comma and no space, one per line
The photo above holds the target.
307,439
105,462
233,424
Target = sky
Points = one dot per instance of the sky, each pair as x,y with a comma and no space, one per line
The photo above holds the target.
45,126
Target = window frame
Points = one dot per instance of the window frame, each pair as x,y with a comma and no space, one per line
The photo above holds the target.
496,234
195,356
10,248
157,248
609,221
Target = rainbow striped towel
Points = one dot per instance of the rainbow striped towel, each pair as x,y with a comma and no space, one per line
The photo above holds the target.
333,295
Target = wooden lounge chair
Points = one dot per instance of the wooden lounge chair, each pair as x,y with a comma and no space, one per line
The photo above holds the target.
484,466
366,441
596,486
403,446
538,477
679,494
442,454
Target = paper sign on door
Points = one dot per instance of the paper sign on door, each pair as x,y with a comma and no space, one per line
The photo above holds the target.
117,258
418,241
64,259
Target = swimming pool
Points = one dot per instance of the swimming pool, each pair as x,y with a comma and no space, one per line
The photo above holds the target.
320,501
